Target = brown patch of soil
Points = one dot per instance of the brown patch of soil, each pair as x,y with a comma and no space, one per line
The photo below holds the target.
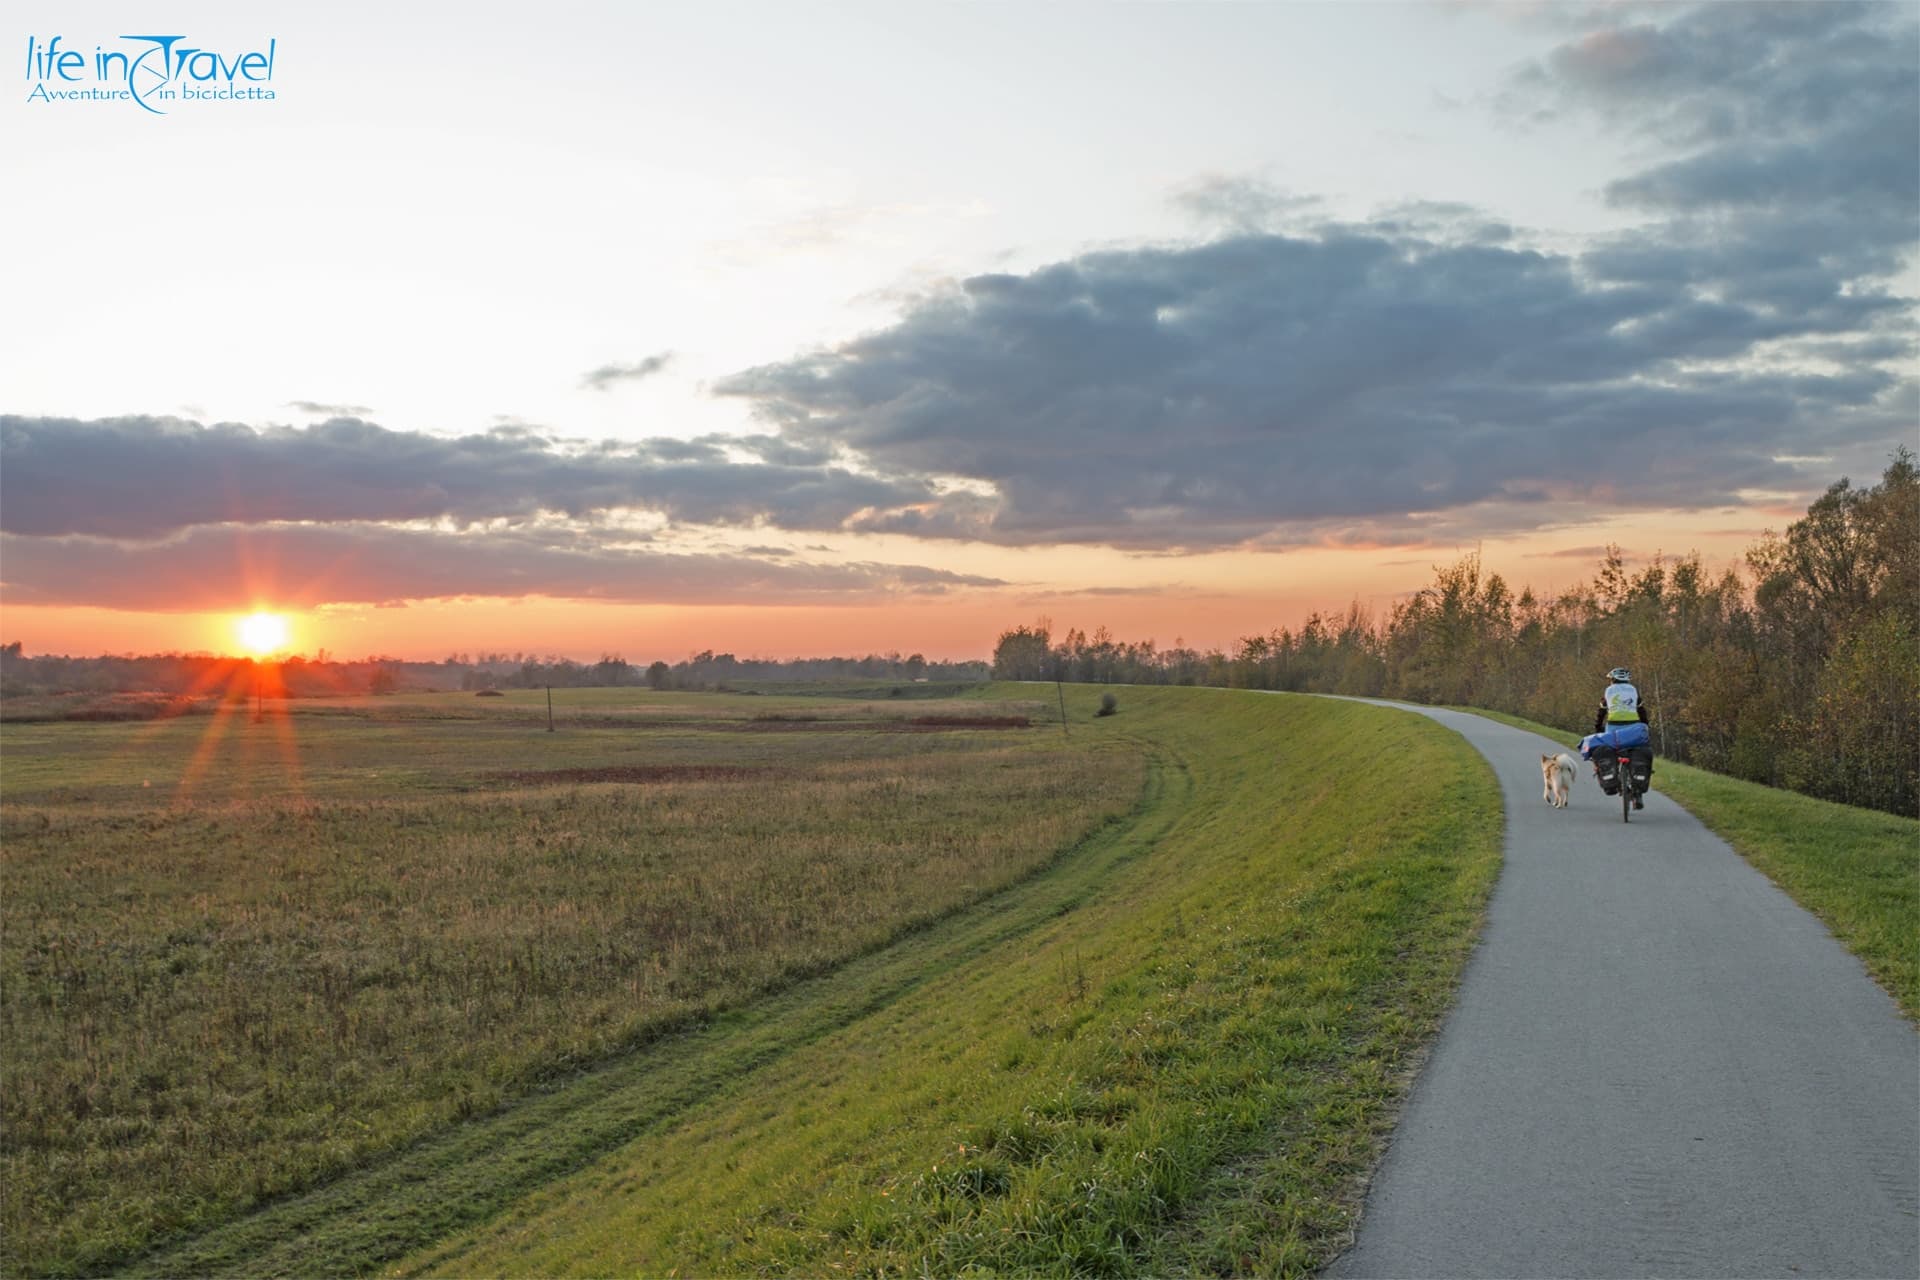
110,707
921,724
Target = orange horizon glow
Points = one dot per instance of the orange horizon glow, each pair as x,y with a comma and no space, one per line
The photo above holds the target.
1210,601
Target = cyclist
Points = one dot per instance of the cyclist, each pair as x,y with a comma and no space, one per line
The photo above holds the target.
1619,706
1620,703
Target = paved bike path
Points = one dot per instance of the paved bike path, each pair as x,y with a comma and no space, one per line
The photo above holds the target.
1659,1065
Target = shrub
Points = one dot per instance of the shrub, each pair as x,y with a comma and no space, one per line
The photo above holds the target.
1108,704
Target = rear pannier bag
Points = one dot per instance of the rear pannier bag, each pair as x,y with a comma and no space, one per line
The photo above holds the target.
1640,764
1642,767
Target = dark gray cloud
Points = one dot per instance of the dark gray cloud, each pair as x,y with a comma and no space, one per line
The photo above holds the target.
608,374
301,566
1341,381
1200,396
777,450
1794,132
143,477
1740,75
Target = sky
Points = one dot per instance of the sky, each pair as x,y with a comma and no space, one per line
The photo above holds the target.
792,329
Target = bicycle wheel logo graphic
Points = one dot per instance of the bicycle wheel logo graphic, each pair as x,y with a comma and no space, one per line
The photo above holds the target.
151,72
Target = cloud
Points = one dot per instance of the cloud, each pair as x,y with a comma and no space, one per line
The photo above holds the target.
304,566
1161,591
606,375
1243,204
774,449
1202,396
1794,133
144,478
1301,380
330,410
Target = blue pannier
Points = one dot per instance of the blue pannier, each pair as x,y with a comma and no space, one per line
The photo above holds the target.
1618,736
1626,735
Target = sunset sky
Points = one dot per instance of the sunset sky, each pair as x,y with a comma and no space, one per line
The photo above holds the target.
825,328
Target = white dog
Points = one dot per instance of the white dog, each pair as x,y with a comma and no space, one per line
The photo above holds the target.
1557,773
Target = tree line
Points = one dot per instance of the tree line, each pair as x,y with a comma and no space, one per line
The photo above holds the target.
1801,670
718,671
322,675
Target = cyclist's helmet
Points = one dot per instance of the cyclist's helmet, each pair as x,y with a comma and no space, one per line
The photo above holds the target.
1619,675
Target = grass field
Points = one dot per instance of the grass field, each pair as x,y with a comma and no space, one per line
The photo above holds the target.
751,984
1173,1048
241,957
1186,1074
1857,869
721,984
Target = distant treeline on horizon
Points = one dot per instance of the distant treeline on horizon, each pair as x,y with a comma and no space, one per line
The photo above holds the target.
324,676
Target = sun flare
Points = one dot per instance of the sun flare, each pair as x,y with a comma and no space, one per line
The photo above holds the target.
263,633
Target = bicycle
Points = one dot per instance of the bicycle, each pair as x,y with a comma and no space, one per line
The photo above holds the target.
1631,780
1623,770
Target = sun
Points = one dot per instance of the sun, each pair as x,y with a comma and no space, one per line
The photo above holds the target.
263,633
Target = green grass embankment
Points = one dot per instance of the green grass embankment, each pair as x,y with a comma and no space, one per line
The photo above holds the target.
1175,1051
1857,869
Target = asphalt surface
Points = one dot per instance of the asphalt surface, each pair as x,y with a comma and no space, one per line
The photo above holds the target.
1659,1065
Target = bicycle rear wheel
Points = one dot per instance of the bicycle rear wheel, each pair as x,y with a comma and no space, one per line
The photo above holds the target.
1625,768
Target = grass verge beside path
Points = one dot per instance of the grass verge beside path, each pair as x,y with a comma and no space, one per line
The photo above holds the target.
1857,869
1187,1071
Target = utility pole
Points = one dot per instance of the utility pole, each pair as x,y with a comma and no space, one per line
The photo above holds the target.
549,708
1063,709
